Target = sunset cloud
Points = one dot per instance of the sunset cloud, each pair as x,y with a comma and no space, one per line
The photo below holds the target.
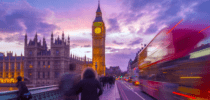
74,45
21,17
122,56
114,26
115,42
1,39
87,46
136,41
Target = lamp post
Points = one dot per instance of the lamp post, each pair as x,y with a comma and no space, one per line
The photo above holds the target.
96,66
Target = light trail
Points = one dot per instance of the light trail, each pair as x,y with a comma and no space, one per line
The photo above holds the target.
135,92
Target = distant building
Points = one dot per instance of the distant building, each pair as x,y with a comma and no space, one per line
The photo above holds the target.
113,71
107,71
129,71
133,65
133,69
11,67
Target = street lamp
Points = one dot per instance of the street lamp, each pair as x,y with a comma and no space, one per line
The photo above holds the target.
96,66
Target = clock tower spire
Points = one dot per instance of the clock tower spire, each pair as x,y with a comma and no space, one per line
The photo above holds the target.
98,42
98,14
98,10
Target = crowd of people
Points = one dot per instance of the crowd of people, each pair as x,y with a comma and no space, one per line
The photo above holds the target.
107,81
71,84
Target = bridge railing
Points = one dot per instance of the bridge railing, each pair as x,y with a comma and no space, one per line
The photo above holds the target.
39,93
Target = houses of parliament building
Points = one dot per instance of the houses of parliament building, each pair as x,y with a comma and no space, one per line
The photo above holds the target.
42,66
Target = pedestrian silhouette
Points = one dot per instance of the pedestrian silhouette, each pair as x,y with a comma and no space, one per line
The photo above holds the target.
103,81
68,82
89,85
113,80
107,81
110,78
23,93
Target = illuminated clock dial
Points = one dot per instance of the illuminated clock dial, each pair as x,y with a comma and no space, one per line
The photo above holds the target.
97,30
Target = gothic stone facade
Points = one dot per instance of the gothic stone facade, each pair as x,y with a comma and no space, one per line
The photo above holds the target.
44,66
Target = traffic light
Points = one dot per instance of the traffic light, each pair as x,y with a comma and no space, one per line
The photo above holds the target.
120,76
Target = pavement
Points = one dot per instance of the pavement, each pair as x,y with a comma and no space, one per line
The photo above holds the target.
110,93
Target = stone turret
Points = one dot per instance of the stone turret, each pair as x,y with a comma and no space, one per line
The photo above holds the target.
63,36
52,39
68,39
26,40
35,39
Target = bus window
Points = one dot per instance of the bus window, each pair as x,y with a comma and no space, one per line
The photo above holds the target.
152,77
161,76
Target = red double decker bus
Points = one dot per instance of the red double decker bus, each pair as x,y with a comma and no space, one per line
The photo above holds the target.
173,67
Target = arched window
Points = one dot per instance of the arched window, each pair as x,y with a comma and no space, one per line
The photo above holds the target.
57,52
7,75
1,66
48,75
12,66
29,74
43,74
38,62
7,66
38,74
30,53
18,66
1,74
13,74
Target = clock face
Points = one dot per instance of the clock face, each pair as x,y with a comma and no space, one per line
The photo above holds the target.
97,30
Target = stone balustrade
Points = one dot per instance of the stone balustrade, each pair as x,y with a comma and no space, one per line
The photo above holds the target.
39,93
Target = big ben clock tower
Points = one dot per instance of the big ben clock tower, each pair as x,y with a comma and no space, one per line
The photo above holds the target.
98,43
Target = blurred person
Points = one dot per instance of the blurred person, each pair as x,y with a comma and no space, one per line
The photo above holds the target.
103,81
89,85
107,82
23,93
113,80
110,80
68,82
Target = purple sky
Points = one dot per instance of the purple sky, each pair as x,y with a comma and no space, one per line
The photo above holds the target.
129,23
